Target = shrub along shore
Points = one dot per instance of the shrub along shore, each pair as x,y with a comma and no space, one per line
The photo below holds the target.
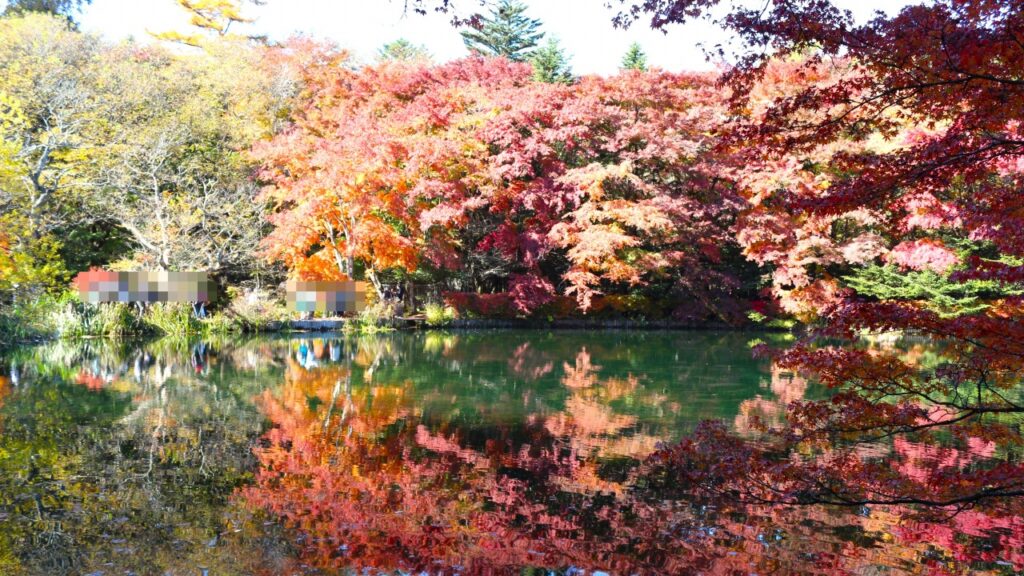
66,317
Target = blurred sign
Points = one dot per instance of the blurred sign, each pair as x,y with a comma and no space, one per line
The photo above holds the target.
144,286
339,297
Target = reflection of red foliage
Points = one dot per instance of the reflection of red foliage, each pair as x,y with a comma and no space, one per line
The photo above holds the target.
919,462
759,412
523,364
972,536
365,483
90,380
5,388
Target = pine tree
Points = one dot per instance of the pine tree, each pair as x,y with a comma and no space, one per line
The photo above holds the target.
403,49
635,58
550,64
506,32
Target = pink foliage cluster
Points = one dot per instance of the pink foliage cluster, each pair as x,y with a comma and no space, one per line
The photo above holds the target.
925,254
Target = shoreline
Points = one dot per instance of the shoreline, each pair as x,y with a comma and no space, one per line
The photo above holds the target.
419,325
336,324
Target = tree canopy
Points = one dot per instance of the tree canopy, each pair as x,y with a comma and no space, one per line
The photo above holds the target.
402,49
209,17
66,8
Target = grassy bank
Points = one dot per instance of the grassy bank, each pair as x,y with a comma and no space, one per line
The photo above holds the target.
65,317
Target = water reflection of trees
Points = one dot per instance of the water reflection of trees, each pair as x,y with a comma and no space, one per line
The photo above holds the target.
462,452
763,411
383,483
120,459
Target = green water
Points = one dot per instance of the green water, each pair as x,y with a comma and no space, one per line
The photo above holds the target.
442,453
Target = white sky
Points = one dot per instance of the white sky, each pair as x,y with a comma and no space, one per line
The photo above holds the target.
583,27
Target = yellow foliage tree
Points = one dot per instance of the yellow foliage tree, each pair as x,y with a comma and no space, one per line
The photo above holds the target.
209,16
27,258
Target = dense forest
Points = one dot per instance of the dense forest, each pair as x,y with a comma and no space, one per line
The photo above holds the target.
503,182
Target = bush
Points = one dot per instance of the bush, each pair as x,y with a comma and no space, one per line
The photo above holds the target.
438,314
221,324
173,319
497,305
378,317
73,319
25,320
245,314
65,316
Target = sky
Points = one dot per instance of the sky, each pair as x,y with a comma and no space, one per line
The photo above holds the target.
583,27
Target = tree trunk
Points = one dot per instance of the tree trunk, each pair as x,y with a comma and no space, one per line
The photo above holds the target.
372,277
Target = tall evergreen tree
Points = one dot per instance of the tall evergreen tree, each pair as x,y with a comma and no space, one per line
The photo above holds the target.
507,32
402,49
550,64
635,58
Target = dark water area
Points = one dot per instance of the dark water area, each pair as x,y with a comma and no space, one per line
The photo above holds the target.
497,452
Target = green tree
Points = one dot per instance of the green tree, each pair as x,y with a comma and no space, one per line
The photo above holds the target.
66,8
550,64
506,32
635,58
403,49
938,292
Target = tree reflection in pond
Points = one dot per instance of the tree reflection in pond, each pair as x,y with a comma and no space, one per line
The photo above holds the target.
119,459
470,453
564,484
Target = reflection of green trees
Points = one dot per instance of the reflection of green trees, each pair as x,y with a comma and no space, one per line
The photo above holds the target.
40,442
133,474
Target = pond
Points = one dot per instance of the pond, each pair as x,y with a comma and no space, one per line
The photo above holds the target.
487,452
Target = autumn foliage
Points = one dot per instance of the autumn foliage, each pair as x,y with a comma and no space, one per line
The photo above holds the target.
883,190
497,183
858,180
871,170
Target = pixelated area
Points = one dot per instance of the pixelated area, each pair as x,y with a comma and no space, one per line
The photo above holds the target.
98,286
326,297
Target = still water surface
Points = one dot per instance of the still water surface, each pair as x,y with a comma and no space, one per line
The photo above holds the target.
437,453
